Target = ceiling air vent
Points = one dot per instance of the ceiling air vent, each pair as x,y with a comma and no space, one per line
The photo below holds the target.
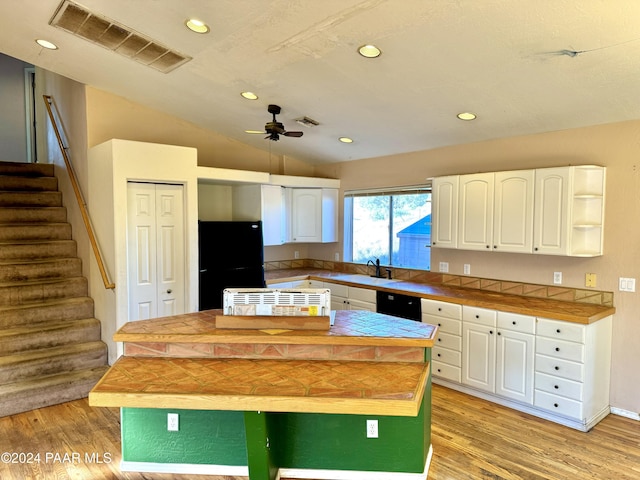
113,36
307,122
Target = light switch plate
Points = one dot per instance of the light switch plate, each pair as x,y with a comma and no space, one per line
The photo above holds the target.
444,267
627,284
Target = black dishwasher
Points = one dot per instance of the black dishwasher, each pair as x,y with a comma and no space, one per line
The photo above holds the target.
398,305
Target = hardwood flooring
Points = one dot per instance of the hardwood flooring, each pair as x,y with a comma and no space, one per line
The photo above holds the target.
472,439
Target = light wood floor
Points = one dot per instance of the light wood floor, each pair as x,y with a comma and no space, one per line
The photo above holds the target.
472,439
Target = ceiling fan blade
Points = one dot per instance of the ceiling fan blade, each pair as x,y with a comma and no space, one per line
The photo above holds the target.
293,134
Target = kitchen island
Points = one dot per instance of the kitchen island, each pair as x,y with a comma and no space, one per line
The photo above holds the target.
350,402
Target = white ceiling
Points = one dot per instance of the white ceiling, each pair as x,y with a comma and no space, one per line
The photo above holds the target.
511,62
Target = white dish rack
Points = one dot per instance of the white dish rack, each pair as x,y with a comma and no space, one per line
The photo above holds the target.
278,301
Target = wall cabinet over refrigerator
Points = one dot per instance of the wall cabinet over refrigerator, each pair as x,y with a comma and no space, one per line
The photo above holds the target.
262,202
312,215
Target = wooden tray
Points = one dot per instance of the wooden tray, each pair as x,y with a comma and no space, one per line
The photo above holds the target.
261,322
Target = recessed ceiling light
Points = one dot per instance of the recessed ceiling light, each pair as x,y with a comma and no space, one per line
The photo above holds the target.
466,116
197,26
46,44
346,140
369,51
249,95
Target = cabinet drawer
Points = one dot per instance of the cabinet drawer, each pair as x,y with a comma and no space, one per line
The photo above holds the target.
572,332
516,322
557,404
558,386
444,355
362,294
452,342
442,309
482,316
560,349
449,372
337,289
446,325
560,368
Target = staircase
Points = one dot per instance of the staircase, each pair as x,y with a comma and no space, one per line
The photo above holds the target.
50,347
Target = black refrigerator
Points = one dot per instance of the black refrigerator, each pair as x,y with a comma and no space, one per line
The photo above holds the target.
230,256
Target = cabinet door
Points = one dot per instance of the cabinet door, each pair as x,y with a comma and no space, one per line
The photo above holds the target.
329,222
478,356
444,217
306,215
550,228
475,223
513,211
273,215
514,365
360,305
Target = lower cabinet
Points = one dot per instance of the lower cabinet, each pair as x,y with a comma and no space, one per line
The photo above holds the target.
549,368
344,297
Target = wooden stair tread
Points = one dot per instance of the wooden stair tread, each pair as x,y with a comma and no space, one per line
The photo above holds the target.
304,386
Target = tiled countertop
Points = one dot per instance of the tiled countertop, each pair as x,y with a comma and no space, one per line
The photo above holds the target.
584,313
352,327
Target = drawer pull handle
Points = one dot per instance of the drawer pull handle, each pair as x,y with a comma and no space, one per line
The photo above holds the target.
557,349
477,316
556,405
556,387
514,322
557,368
558,330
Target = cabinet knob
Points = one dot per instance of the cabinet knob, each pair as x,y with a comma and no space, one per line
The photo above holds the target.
556,367
557,330
439,324
439,309
439,370
439,355
495,246
556,405
477,316
169,291
490,332
439,339
556,387
535,249
557,349
499,333
514,322
488,246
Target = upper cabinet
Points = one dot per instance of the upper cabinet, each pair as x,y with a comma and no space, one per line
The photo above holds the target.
262,202
312,214
444,204
569,211
553,211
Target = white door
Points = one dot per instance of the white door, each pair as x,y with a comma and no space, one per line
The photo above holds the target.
513,211
514,365
479,356
444,221
475,222
155,250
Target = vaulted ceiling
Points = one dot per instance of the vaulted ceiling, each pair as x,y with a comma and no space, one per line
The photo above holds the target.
521,66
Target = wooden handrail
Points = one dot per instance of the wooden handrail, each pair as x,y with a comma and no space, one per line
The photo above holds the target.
48,100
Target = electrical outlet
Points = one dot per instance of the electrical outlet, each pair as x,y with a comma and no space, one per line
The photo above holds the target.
372,428
467,269
557,278
627,284
173,422
444,267
296,254
336,257
590,280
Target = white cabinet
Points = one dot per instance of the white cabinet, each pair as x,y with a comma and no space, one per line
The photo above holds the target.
478,348
498,352
513,211
265,203
312,215
552,211
444,198
569,211
344,297
572,369
446,354
515,355
475,214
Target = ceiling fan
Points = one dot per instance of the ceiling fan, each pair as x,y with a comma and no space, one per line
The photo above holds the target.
275,128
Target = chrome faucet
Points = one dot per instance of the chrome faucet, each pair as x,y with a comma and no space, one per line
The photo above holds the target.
377,267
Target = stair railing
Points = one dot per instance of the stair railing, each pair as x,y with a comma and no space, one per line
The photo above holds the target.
48,100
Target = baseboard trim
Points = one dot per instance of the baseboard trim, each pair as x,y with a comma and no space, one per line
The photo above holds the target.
197,469
625,413
184,468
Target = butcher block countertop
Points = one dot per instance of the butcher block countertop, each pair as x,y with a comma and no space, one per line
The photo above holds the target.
351,327
576,312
